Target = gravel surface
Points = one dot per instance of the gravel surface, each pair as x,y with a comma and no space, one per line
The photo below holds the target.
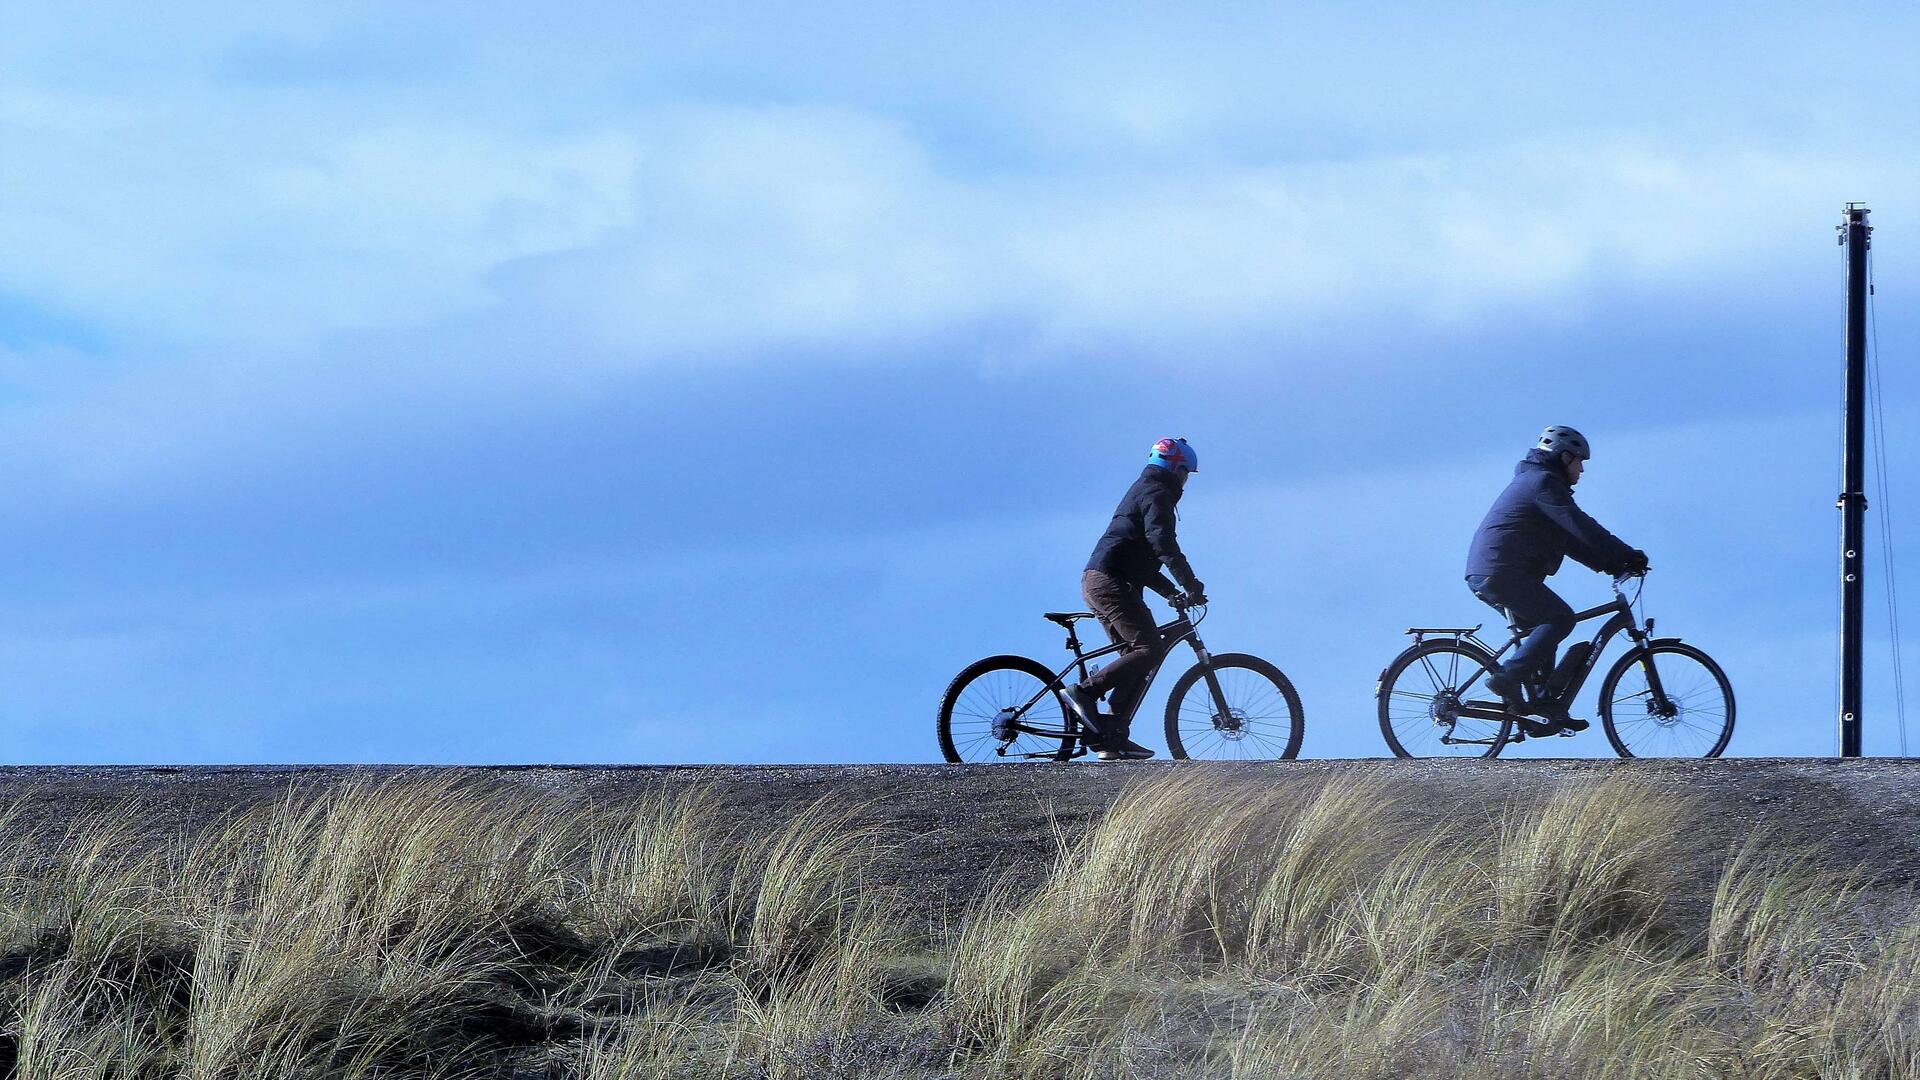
951,829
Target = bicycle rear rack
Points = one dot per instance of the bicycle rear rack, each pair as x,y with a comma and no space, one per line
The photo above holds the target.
1420,632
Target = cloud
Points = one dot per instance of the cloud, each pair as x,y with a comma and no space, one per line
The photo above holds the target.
637,188
673,228
275,225
764,229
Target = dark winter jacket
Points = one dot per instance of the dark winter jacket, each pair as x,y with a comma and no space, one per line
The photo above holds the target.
1140,538
1534,524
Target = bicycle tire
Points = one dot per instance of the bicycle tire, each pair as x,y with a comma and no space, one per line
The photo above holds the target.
1411,720
1234,739
1681,694
974,727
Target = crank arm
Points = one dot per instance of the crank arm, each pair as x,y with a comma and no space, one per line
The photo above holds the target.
1048,754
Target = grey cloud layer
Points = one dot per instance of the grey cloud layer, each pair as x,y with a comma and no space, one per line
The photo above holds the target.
702,231
710,179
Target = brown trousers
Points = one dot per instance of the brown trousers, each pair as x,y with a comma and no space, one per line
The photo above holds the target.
1123,613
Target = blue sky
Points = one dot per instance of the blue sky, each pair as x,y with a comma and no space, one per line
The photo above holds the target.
471,383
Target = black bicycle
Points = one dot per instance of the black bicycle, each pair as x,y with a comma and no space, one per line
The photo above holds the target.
1009,708
1664,698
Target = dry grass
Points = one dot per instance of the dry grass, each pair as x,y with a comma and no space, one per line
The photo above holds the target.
1299,928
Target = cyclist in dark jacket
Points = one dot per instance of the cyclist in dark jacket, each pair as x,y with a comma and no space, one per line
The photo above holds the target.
1530,530
1139,541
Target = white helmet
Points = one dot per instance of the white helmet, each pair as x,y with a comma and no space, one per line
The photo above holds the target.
1565,440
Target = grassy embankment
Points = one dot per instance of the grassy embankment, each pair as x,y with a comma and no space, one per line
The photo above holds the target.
421,927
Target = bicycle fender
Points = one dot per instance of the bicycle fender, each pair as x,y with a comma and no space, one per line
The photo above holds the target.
1638,651
1380,680
1652,642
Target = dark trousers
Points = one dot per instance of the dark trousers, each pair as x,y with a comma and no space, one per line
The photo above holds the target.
1537,610
1123,613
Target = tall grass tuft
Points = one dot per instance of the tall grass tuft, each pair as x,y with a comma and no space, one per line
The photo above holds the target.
802,891
1584,863
1368,1034
656,873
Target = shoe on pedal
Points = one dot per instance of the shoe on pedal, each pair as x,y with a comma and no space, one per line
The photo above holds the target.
1507,689
1085,706
1125,750
1555,715
1567,725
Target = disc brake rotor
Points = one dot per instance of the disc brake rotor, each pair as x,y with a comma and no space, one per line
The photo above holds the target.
1666,713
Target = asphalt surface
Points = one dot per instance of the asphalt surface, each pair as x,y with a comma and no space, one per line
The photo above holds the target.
950,829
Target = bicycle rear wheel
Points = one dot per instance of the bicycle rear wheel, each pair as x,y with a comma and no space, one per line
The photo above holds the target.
984,692
1694,718
1420,695
1262,722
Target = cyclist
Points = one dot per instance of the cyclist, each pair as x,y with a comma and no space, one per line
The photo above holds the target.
1128,558
1532,526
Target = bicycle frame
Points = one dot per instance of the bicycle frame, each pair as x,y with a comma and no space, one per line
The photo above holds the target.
1171,634
1623,619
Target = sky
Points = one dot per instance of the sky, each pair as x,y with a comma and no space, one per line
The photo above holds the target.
580,382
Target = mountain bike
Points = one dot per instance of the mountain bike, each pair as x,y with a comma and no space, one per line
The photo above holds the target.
1231,705
1664,698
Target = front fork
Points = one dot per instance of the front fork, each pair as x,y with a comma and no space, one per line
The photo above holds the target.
1643,639
1222,713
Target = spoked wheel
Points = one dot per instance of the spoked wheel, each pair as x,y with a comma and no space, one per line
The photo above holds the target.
976,707
1420,697
1691,717
1262,719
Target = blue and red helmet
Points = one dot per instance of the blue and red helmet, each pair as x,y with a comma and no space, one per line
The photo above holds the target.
1174,454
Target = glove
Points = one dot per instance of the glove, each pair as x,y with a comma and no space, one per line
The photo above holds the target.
1192,598
1636,563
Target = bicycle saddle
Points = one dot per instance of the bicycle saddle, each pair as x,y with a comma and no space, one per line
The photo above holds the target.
1067,618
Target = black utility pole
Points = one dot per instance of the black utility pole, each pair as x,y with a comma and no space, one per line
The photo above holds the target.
1853,500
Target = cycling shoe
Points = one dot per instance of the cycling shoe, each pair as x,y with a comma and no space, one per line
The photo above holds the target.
1507,688
1555,714
1086,708
1125,750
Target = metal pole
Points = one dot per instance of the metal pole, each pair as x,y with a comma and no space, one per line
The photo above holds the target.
1853,500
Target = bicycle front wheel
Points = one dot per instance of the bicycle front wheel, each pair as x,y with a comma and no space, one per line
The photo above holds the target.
1421,694
1258,716
1692,716
979,700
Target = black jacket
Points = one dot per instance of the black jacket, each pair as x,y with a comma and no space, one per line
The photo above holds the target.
1534,525
1140,538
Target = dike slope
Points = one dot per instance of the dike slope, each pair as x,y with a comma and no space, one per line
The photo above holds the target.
952,830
